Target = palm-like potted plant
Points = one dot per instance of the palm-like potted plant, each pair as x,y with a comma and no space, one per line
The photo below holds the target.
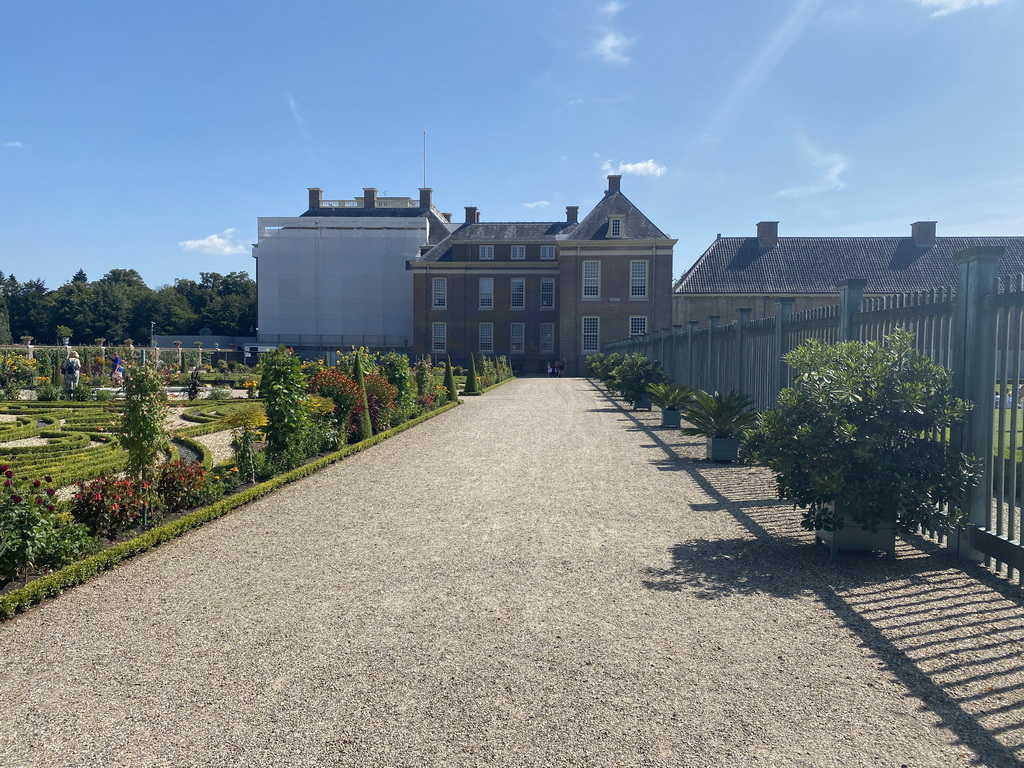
671,398
634,375
722,419
851,443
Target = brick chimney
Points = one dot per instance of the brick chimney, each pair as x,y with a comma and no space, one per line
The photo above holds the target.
572,214
369,197
426,198
923,232
767,234
472,217
316,195
614,180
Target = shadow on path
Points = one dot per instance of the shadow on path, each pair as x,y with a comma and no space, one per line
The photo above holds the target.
950,632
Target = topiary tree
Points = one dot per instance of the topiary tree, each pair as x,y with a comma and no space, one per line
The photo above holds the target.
283,387
449,382
471,387
141,429
364,426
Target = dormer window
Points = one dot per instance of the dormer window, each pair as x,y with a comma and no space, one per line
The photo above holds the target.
615,226
486,253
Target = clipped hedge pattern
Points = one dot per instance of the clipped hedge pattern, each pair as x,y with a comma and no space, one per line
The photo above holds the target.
53,584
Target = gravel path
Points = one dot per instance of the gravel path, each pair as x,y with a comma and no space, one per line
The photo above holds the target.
536,578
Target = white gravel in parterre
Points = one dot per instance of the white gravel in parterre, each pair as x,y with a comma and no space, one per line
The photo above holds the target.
536,578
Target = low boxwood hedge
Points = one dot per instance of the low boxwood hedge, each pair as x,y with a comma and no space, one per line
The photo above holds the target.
55,583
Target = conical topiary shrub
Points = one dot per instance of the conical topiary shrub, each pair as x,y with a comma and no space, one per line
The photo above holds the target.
449,381
364,427
471,387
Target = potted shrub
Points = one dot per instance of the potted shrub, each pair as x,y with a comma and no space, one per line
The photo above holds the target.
634,375
850,443
671,398
722,419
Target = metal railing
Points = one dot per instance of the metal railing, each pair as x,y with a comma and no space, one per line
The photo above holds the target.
976,329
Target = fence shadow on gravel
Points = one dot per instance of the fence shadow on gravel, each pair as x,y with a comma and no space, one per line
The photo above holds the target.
949,632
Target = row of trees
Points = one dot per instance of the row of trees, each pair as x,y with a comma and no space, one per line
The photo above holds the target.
120,306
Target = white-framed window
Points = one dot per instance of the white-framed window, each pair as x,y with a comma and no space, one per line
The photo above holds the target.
591,335
638,279
547,253
637,326
487,338
486,253
517,338
547,337
591,279
518,293
547,293
486,293
439,337
615,227
440,293
518,252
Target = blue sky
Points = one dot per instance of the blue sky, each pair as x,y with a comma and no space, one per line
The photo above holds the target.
152,136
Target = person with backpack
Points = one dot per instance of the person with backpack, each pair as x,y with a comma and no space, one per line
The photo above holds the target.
72,370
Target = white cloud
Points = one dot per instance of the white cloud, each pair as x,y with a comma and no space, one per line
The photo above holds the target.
537,204
216,245
831,166
945,7
611,9
644,168
14,145
611,47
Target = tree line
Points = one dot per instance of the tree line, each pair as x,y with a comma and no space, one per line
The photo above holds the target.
121,306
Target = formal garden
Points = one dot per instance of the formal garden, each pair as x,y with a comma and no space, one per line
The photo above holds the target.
94,474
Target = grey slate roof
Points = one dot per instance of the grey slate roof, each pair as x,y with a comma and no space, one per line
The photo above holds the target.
815,265
635,226
438,227
496,232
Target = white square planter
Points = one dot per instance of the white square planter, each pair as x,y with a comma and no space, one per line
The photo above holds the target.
723,448
852,536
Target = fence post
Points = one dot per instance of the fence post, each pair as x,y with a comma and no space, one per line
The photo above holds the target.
974,371
677,331
851,292
690,381
740,359
783,309
710,380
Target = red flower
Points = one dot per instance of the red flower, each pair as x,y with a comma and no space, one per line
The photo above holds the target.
8,473
8,483
36,483
51,507
48,479
4,467
39,499
16,499
51,491
113,507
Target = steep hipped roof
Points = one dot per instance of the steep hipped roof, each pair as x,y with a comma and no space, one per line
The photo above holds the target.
496,232
635,226
815,265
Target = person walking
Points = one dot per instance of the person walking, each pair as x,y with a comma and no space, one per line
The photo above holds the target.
72,370
117,371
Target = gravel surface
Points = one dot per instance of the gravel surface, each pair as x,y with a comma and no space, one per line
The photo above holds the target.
537,578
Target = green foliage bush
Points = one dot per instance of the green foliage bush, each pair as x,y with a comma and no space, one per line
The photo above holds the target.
449,382
283,387
24,525
635,374
857,426
180,484
141,430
